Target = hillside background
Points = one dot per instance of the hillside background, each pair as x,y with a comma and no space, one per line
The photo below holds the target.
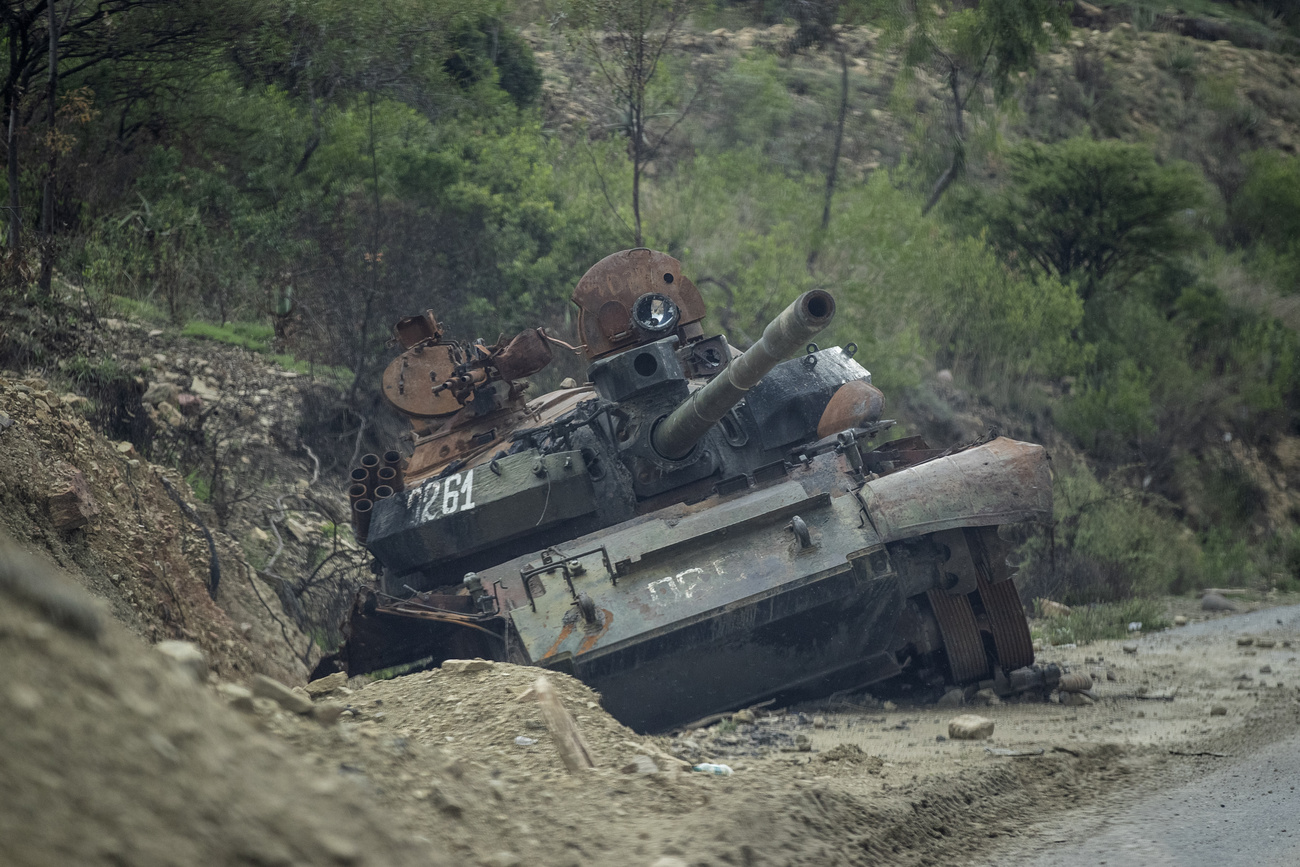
1100,251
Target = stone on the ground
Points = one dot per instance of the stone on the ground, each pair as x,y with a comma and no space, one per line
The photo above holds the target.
1216,602
189,404
327,684
170,415
161,392
969,727
187,656
951,698
465,666
1245,641
327,712
238,697
70,502
1266,669
669,861
819,722
265,687
1075,699
1218,710
1180,620
1265,642
987,696
743,717
200,388
641,765
1130,648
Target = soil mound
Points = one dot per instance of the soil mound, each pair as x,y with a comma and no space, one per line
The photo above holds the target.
111,754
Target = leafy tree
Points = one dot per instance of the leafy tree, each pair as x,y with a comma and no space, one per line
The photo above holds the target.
1266,213
970,45
627,40
1094,212
47,39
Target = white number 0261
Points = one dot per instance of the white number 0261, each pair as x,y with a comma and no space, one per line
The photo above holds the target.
446,496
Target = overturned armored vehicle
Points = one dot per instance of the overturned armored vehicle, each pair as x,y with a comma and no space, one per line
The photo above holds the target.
695,529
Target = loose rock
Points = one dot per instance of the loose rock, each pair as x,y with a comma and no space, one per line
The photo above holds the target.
327,712
1218,710
969,727
1130,648
952,698
641,765
1215,602
161,392
187,656
328,684
465,666
71,503
1180,620
237,696
265,687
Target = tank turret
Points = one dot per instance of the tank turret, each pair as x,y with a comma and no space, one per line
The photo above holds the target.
693,528
803,320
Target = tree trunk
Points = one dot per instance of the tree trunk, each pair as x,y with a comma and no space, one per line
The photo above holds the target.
637,135
47,200
12,96
958,145
832,172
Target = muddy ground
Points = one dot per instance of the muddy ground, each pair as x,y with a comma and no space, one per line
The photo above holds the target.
112,754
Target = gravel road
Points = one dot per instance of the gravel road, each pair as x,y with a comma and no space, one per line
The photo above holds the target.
1217,811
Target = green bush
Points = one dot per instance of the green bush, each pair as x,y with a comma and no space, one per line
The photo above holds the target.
1136,534
1110,620
1113,409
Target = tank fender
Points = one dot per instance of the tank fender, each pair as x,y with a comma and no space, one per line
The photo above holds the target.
1000,482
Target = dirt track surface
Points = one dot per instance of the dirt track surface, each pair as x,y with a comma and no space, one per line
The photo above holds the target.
1238,807
1232,813
110,756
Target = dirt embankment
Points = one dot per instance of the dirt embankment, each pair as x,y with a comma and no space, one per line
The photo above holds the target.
120,757
143,547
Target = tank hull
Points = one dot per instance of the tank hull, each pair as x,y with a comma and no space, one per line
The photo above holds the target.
801,585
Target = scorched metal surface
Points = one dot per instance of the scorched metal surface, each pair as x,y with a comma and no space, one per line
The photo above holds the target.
694,530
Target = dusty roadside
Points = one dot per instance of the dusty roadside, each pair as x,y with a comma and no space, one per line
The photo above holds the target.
112,750
874,783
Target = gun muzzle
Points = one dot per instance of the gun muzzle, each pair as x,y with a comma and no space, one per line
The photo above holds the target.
676,435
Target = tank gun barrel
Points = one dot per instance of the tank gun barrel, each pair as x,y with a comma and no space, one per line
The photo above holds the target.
677,434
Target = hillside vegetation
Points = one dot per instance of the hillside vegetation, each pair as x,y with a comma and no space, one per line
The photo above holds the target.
1087,214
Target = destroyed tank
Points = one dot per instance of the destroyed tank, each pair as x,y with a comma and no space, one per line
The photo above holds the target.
694,529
